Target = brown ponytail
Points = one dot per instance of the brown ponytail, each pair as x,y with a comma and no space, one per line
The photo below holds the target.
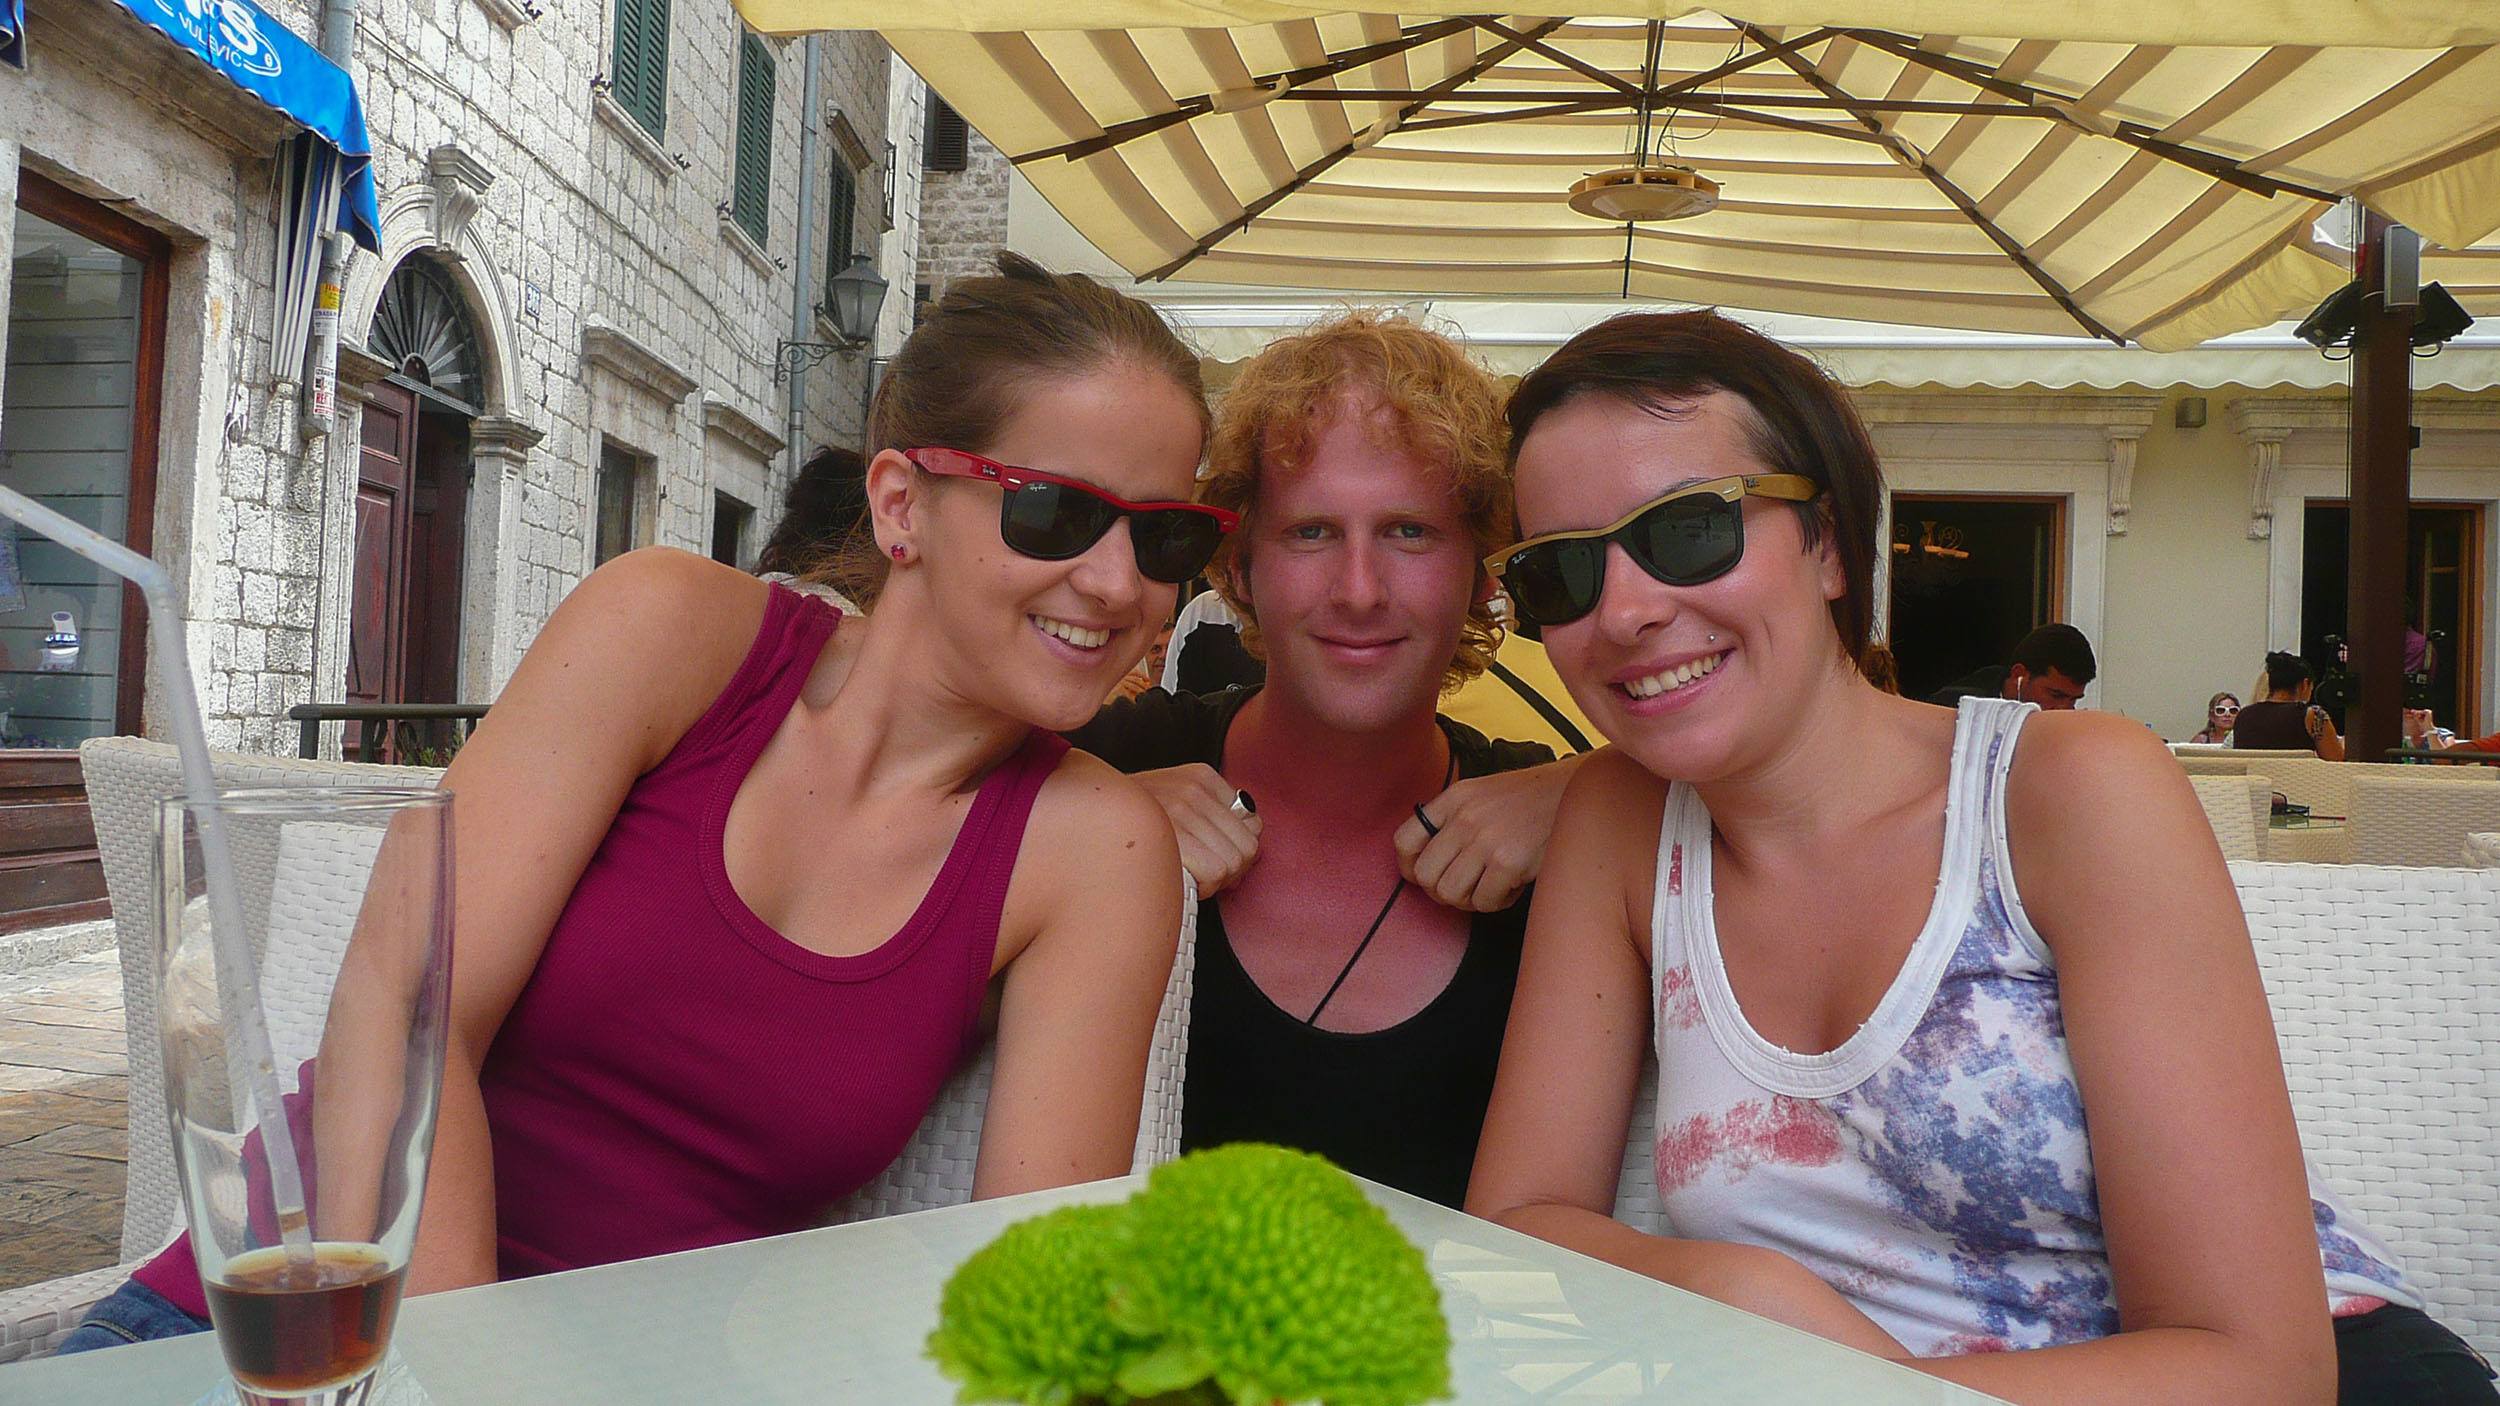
967,366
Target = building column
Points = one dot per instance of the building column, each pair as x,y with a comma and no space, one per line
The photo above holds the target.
490,606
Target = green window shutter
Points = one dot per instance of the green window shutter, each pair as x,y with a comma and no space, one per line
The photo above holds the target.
638,78
655,65
750,200
841,220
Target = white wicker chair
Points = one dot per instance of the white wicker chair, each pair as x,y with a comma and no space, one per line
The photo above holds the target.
2215,761
2400,819
2226,803
2386,991
126,777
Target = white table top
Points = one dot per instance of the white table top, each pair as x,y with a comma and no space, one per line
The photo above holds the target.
838,1316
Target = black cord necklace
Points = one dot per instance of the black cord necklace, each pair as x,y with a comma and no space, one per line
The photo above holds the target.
1382,916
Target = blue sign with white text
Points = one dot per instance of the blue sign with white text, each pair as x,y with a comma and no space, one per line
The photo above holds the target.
274,64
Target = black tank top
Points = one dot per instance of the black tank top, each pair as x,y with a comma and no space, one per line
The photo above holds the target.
1403,1106
2274,727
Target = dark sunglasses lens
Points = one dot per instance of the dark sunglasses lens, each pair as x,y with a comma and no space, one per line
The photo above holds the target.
1052,522
1173,544
1555,583
1686,541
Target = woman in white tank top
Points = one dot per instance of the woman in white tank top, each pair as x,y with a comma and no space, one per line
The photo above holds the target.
1963,1055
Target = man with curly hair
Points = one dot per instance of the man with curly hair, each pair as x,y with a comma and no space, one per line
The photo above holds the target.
1372,855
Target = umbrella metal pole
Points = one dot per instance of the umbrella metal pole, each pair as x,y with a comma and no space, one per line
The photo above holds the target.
2382,499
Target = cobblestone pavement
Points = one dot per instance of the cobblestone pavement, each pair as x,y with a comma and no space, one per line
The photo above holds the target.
63,1091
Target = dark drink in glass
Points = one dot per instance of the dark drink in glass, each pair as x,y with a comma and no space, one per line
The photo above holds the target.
292,1330
303,1055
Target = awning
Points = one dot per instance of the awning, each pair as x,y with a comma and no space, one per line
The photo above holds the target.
1995,173
2394,24
13,33
269,61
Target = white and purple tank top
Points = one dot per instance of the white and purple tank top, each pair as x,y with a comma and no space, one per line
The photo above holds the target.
1935,1167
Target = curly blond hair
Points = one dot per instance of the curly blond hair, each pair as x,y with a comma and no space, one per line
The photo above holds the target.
1447,409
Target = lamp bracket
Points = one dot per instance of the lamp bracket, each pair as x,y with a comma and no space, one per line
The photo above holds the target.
792,359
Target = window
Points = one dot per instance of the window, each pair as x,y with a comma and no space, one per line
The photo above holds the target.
751,196
85,335
638,76
2444,608
729,528
620,503
841,219
946,143
1971,575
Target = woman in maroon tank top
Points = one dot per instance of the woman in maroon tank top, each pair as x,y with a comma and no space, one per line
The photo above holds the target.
736,871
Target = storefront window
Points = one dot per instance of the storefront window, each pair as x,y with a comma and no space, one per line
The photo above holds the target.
71,408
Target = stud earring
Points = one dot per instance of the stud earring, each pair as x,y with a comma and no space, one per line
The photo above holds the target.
897,550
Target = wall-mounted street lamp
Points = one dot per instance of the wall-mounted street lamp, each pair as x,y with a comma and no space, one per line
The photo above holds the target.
854,296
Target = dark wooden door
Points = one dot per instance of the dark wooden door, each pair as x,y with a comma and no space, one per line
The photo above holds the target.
377,636
439,501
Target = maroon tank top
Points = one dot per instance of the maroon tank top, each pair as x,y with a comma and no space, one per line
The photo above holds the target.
676,1073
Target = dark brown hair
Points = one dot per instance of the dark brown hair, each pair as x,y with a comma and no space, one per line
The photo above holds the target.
824,505
973,357
1802,422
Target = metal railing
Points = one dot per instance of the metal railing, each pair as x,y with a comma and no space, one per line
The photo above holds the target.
369,742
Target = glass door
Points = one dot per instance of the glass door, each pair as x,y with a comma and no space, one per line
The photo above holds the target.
78,434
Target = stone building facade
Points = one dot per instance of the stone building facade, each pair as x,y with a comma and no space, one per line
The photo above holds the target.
963,217
563,299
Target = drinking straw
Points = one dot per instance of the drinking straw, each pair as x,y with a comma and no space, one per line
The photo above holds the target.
238,983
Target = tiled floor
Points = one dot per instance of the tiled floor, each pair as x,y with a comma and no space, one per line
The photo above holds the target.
63,1082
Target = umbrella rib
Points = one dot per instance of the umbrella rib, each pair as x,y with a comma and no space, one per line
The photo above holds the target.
1762,56
1316,169
1962,202
1570,61
1525,114
1564,95
2134,134
1200,105
1770,119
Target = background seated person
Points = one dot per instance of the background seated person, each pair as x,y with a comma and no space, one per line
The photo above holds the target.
2285,719
2052,667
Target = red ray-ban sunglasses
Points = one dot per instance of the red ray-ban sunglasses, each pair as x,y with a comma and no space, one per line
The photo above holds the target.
1051,518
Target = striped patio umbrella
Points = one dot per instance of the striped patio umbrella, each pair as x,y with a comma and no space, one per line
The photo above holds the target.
2143,171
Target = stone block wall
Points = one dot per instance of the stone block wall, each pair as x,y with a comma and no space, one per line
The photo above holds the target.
611,296
963,217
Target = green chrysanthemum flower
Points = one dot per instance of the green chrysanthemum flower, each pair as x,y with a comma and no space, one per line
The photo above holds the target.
1025,1318
1270,1274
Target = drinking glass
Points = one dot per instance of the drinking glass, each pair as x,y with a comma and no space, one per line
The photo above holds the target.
303,1056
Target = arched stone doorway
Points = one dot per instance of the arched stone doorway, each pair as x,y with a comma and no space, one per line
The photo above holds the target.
412,490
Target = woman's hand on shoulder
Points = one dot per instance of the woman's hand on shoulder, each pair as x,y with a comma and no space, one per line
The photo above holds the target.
1093,919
